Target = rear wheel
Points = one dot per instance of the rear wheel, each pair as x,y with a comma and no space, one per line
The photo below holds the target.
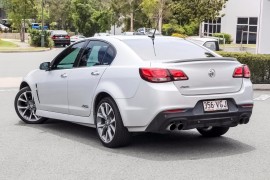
213,131
25,107
109,125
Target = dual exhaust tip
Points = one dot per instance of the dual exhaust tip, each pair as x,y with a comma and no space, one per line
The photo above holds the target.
244,120
179,126
173,126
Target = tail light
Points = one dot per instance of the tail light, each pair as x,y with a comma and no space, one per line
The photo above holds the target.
241,72
67,37
246,72
54,37
178,75
159,75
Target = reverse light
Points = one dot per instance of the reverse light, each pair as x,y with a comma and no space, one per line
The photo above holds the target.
159,75
178,75
241,72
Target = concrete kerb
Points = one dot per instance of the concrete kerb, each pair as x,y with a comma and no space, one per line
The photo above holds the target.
24,50
22,47
261,87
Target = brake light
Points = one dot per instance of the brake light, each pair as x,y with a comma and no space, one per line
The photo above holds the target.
54,37
242,72
159,75
155,75
67,37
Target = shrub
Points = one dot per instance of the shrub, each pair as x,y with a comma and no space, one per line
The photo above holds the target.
228,37
188,29
169,29
191,29
179,35
259,65
35,36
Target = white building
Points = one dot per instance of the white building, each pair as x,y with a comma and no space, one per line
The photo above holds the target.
245,20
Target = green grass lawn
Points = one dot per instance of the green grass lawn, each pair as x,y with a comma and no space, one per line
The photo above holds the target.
7,44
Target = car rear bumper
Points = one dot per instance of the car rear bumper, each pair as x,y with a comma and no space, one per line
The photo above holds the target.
196,118
62,42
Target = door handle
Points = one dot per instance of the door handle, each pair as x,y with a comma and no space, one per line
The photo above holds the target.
95,73
63,75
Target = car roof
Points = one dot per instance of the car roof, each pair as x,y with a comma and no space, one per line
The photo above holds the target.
58,32
203,39
139,37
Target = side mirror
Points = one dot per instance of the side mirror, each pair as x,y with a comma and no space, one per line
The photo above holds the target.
45,66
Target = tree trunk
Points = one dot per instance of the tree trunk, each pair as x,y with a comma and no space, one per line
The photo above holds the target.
160,21
23,31
131,21
160,15
200,30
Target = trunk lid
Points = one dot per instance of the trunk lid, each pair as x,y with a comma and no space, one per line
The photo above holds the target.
206,76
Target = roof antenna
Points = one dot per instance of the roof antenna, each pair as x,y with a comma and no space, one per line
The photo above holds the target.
153,36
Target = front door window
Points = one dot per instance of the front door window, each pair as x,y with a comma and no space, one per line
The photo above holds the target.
68,57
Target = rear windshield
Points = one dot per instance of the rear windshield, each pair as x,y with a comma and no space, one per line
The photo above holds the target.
59,32
166,49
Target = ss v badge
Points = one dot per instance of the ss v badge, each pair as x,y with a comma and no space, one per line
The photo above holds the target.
182,87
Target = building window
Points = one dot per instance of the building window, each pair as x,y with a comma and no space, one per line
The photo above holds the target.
246,30
212,26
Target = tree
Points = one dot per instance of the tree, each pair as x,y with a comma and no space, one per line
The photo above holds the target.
59,12
196,11
90,17
19,11
155,10
129,12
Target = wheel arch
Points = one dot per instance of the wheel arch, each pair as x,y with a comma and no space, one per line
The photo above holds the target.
99,97
24,84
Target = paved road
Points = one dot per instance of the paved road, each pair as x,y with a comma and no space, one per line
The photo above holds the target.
61,150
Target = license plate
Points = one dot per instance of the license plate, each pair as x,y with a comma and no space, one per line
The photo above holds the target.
217,105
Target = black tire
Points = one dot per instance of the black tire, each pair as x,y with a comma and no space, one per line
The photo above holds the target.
121,135
17,103
213,131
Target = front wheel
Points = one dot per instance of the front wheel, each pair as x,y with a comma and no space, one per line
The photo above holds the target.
213,131
25,107
109,125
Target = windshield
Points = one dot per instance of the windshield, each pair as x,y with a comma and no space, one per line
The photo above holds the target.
167,49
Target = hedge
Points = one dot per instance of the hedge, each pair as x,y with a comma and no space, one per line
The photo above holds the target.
259,65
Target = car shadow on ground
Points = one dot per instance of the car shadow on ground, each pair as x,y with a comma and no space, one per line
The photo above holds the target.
186,145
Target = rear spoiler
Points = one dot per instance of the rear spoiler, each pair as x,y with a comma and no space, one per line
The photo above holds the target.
202,59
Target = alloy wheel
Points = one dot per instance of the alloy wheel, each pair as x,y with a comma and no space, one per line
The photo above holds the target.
26,106
106,123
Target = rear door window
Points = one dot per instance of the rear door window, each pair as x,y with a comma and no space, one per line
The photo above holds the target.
97,53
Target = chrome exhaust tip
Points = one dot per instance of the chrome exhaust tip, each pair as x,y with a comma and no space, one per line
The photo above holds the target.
171,127
180,126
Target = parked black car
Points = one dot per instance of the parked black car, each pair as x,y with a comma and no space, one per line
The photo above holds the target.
60,37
